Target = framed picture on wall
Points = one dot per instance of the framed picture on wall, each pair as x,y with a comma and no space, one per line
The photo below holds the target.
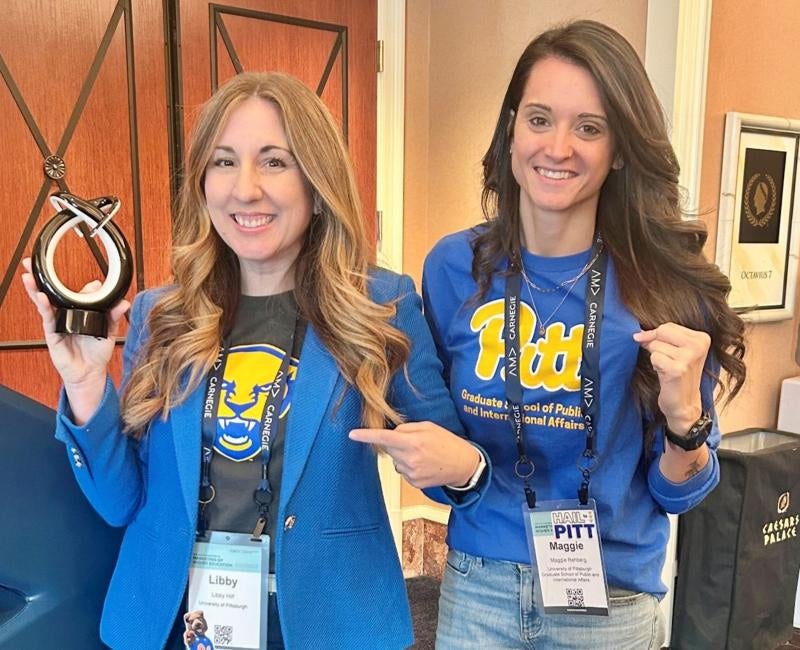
758,237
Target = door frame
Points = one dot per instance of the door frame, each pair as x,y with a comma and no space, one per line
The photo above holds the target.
389,196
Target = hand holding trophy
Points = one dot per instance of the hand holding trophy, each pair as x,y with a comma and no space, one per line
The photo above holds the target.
94,313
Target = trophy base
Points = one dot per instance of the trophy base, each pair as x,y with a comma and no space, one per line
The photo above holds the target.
82,321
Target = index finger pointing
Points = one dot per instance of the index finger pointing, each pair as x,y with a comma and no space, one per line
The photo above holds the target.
383,437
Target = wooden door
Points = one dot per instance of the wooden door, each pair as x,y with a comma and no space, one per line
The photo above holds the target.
109,87
83,87
328,44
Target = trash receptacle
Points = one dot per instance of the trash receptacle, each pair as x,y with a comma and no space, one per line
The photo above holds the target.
739,550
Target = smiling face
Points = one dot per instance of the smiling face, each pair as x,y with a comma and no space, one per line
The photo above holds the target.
562,148
257,196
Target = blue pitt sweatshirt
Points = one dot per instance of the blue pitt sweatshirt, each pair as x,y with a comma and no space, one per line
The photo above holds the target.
632,495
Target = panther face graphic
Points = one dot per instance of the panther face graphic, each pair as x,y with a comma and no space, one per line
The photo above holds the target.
248,376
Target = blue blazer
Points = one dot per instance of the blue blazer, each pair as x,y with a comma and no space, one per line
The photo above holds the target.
339,580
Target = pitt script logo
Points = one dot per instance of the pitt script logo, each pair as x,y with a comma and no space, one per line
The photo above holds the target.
552,362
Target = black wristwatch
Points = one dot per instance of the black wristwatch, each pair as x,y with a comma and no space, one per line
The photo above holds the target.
698,433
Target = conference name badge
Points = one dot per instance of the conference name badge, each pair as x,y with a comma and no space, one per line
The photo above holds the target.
567,557
229,584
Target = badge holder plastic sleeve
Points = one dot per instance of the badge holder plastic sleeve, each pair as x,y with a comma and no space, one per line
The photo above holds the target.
254,555
537,521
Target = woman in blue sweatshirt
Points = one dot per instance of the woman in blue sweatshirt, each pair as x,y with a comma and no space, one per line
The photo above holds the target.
582,333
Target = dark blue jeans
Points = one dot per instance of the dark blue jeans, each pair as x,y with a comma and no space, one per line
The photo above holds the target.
274,636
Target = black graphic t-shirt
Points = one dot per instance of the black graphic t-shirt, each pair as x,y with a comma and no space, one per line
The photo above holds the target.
260,338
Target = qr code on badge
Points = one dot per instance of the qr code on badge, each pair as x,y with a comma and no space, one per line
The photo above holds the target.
575,597
223,634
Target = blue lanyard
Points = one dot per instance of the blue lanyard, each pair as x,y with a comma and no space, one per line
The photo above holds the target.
590,371
268,423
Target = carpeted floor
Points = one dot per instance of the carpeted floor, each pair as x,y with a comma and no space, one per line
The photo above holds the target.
423,594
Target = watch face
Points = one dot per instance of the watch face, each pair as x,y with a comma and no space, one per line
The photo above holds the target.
698,433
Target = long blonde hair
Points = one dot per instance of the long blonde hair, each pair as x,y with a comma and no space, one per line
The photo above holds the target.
188,321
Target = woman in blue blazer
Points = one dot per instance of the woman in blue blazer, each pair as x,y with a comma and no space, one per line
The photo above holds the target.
241,383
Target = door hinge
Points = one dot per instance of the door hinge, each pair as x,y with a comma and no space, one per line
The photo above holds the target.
380,56
379,226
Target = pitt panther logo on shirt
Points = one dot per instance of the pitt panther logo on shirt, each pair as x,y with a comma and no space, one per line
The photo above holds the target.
552,362
249,372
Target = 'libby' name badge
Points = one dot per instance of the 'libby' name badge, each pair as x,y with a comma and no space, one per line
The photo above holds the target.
229,584
566,554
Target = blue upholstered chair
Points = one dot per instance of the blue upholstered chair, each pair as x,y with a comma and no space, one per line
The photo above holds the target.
56,554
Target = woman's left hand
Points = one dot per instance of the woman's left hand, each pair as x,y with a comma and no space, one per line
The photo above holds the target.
678,355
426,454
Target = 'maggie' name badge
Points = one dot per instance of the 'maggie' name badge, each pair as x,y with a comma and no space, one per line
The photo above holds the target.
565,550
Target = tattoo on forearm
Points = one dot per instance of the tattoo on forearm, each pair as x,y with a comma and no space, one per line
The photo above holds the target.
694,468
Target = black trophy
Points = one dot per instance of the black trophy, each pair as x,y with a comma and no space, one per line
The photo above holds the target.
82,313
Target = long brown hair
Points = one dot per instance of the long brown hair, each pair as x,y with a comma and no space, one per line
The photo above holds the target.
657,251
331,272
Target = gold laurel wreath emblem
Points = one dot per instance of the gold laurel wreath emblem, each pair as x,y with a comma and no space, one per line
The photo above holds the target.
754,219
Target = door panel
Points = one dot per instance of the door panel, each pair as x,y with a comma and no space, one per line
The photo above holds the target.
328,44
70,88
244,43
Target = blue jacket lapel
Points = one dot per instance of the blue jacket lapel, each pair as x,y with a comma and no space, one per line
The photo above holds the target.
186,434
317,377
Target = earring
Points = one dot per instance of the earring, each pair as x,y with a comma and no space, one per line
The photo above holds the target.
617,164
